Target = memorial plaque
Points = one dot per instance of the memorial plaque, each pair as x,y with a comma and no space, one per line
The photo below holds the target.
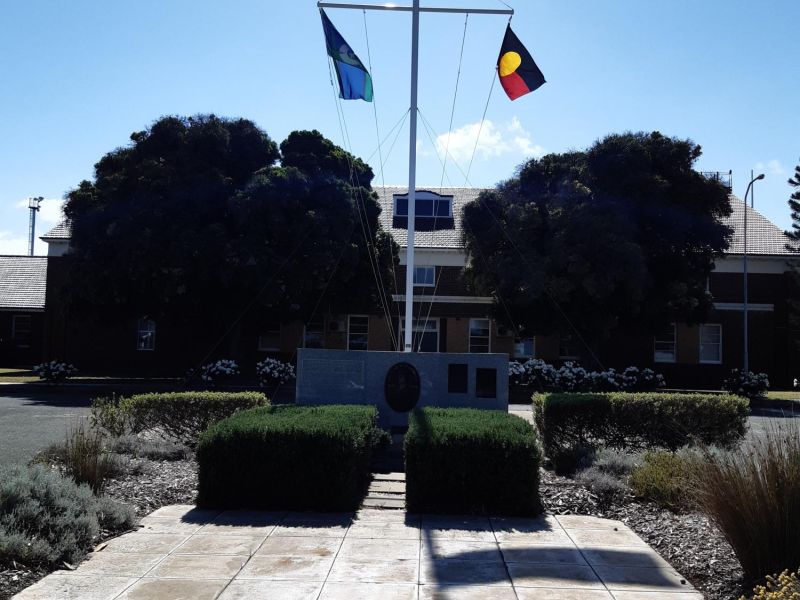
457,378
401,387
485,383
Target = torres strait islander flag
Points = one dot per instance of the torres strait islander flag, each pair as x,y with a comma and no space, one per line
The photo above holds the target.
354,80
518,73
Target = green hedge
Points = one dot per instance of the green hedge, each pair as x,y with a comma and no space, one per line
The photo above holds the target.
185,415
471,461
288,457
636,421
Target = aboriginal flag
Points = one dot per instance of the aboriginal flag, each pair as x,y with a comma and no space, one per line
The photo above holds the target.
518,73
354,79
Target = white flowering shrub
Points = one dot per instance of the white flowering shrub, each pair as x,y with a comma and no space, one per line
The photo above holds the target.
571,377
748,384
272,371
221,369
55,371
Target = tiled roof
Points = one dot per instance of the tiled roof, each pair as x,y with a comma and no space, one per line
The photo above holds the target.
23,280
763,236
62,231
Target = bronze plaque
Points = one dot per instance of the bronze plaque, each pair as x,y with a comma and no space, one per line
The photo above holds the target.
401,387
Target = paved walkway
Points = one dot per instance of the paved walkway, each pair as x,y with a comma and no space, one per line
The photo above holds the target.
185,553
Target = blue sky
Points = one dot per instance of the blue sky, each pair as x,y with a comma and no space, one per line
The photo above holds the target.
78,77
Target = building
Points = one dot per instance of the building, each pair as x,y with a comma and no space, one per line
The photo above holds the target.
23,281
451,319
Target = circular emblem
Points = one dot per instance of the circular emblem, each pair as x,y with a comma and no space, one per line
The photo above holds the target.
401,387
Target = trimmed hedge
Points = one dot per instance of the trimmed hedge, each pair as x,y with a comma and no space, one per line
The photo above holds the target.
462,460
185,415
638,421
288,457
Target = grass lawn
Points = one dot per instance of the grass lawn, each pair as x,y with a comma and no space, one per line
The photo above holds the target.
17,376
784,395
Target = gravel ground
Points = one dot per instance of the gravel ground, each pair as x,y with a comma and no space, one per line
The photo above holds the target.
689,542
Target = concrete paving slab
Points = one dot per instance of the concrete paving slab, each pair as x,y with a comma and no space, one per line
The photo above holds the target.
334,531
236,530
140,542
371,515
656,595
174,589
168,525
348,570
367,549
642,579
393,487
299,568
470,592
545,536
561,594
310,519
463,572
396,476
260,589
383,531
461,550
63,586
396,505
525,525
368,591
553,575
186,512
541,553
123,564
300,546
196,566
456,522
623,556
220,544
604,537
589,522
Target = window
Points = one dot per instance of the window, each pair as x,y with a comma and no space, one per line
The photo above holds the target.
664,345
314,333
711,344
425,334
270,339
568,347
146,334
479,335
425,207
21,330
424,275
357,332
525,348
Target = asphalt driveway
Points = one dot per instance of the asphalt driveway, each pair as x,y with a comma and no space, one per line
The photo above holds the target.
31,420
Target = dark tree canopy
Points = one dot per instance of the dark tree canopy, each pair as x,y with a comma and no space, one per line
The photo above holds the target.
197,217
621,235
794,207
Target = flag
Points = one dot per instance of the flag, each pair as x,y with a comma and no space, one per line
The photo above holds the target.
354,80
518,73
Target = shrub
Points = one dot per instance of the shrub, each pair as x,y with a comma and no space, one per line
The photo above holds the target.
288,457
85,459
638,421
785,586
272,371
606,474
752,386
664,478
54,372
753,495
46,519
219,370
150,449
106,414
185,415
471,461
571,377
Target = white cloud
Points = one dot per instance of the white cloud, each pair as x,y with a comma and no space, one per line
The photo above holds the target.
773,167
495,140
12,244
50,210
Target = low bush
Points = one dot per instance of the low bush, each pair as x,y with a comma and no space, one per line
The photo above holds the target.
152,449
184,416
288,457
785,586
272,371
638,421
85,458
752,494
46,519
219,370
471,461
606,474
664,478
540,376
55,371
105,414
753,386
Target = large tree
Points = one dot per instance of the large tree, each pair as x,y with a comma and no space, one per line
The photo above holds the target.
202,217
622,235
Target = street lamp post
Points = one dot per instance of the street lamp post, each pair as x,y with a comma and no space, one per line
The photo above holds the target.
746,349
33,206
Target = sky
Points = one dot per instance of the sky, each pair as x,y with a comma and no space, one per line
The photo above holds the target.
77,78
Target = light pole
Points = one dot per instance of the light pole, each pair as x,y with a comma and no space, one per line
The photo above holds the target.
746,351
33,206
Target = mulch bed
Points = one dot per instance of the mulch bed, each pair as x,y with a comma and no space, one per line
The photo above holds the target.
689,542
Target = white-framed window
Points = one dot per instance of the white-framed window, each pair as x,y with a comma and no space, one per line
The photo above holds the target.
357,332
314,333
145,334
568,347
425,207
424,335
424,275
664,345
269,340
479,335
21,330
711,343
525,348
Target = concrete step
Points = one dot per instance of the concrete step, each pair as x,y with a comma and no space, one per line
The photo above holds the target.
393,476
391,504
391,487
